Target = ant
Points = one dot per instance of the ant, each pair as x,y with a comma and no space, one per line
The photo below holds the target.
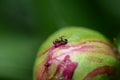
59,42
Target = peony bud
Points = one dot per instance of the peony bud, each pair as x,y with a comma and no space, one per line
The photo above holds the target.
76,54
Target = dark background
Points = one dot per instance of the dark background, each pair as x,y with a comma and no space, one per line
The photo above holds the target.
25,24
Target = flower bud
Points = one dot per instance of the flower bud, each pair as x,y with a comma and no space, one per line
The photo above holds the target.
76,54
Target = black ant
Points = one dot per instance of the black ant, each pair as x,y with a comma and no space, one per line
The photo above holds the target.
59,42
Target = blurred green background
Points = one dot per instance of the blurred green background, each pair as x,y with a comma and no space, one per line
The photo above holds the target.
25,24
